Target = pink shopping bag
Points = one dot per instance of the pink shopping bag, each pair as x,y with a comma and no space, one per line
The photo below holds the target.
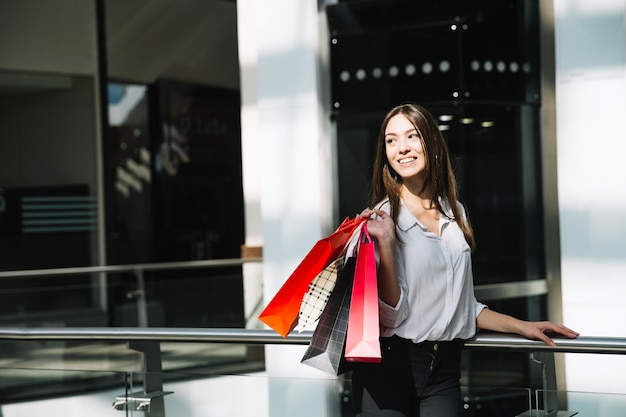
362,339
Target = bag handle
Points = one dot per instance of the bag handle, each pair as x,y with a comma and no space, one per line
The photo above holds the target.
365,235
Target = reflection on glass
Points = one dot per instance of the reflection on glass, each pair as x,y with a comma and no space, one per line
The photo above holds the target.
48,177
48,198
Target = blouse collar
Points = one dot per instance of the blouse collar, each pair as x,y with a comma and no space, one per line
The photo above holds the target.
406,220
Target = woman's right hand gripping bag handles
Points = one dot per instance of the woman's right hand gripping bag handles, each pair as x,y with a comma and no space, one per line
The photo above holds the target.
362,340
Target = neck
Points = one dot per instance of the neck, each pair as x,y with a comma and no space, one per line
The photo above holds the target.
413,194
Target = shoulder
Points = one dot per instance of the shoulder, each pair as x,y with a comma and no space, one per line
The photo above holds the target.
384,205
460,208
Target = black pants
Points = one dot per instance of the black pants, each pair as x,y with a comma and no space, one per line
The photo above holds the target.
412,380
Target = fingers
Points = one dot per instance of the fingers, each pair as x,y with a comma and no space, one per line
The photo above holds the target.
571,332
542,336
562,330
554,329
380,213
368,212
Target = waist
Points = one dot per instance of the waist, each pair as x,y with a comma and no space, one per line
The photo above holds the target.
441,346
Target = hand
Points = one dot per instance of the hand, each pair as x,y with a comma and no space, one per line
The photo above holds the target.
537,330
382,229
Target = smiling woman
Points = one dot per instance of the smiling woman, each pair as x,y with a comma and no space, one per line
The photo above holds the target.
413,158
425,280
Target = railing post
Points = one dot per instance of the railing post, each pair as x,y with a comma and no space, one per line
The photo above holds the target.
142,305
150,401
551,395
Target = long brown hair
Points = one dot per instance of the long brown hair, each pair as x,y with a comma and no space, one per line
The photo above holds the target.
439,178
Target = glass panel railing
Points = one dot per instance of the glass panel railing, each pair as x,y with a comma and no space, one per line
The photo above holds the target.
138,367
254,394
119,356
575,403
260,395
495,401
76,393
24,393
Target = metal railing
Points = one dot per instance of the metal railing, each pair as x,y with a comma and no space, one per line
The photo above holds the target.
482,341
147,341
156,266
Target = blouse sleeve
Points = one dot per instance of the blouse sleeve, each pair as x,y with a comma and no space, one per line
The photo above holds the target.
478,307
393,316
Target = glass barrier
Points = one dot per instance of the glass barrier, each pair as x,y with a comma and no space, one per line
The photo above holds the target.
104,358
494,401
25,392
234,395
221,372
583,404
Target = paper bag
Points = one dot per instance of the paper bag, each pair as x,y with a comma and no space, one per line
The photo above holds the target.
326,349
362,340
281,314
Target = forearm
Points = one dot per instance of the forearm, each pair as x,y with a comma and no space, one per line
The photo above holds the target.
498,322
491,320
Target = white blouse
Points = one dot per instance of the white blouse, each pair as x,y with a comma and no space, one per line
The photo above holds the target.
435,275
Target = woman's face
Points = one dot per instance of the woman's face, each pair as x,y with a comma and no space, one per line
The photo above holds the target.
405,152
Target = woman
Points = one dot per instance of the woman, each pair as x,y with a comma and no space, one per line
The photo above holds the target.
427,302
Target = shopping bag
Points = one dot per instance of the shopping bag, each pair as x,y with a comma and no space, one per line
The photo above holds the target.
362,339
281,314
327,346
317,295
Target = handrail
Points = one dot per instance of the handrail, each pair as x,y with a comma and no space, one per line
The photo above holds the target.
483,292
489,341
157,266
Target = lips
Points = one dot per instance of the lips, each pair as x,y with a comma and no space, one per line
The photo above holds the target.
406,160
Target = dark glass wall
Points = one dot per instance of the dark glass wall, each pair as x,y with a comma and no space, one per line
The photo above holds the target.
175,194
175,173
475,65
126,112
495,160
172,164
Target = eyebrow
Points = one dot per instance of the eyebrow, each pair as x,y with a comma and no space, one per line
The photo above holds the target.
406,131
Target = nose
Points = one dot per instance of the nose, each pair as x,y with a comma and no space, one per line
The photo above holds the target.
404,145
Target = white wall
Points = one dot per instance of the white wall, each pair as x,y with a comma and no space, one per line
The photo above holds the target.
285,165
591,151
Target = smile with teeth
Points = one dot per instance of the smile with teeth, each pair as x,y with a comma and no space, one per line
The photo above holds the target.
406,160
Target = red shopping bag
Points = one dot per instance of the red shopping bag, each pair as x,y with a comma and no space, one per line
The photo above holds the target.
281,314
362,340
